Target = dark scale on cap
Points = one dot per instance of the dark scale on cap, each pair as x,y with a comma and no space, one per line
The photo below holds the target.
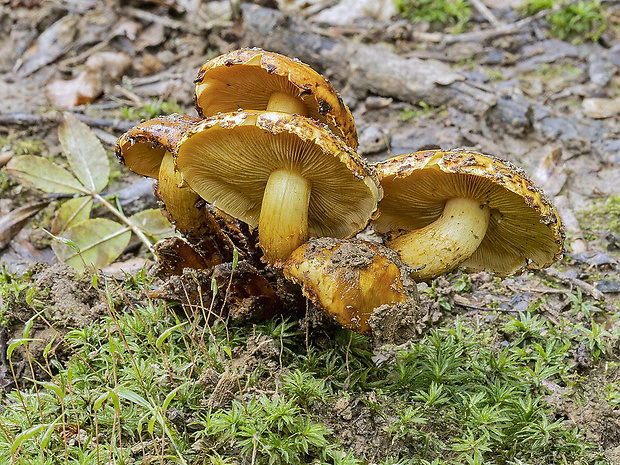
324,107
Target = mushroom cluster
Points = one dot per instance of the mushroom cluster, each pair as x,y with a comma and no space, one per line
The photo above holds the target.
274,150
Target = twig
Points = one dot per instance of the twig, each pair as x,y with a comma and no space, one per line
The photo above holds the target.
84,55
484,11
29,119
506,29
137,101
584,286
163,20
137,231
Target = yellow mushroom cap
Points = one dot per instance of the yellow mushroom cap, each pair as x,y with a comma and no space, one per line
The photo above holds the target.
348,279
246,78
524,232
142,148
228,159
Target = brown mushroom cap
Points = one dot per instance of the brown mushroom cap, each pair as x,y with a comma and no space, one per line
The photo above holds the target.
143,147
229,158
245,79
524,230
348,279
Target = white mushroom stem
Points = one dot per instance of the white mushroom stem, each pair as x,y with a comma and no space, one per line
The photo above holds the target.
287,103
283,223
447,242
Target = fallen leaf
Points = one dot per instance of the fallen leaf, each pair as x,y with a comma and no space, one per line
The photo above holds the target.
42,174
85,153
93,243
13,222
70,93
5,157
70,213
102,70
54,42
550,175
111,66
152,223
151,37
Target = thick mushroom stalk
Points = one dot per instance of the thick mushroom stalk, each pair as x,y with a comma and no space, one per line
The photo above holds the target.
286,103
180,201
447,242
283,224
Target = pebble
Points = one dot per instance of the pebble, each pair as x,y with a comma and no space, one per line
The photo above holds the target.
600,70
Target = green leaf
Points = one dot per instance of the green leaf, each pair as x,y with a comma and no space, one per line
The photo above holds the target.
99,242
42,174
28,434
132,396
16,343
45,439
85,153
72,212
153,223
163,336
103,397
27,328
170,396
50,387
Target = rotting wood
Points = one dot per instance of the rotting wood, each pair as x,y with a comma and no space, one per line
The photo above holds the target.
371,68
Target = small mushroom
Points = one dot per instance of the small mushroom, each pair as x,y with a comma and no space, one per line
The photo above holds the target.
254,79
349,279
445,209
285,173
146,150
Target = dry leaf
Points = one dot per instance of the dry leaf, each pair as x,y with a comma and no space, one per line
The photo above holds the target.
13,222
73,92
54,42
102,70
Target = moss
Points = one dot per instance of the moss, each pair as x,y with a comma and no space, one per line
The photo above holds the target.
150,110
454,14
603,216
580,21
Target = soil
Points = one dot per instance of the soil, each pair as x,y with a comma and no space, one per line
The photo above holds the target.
542,90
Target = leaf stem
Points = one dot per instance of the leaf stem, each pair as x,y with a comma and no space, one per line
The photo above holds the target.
145,240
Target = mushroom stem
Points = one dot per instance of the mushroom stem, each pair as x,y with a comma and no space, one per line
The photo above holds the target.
283,223
286,103
180,200
447,242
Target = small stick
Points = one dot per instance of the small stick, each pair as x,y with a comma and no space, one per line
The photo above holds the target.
29,119
484,11
584,286
505,29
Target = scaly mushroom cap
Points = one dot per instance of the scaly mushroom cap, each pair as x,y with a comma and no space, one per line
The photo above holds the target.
228,159
143,147
524,230
246,79
348,279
